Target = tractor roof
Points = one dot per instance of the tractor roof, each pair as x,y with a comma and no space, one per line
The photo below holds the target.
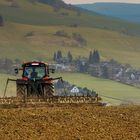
34,63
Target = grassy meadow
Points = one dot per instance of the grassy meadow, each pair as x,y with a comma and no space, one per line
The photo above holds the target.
105,88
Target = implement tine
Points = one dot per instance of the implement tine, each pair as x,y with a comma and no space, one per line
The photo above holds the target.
5,88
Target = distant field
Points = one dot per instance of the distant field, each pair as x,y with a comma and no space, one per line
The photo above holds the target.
104,87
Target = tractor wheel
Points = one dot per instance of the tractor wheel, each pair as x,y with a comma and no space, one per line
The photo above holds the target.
21,91
49,90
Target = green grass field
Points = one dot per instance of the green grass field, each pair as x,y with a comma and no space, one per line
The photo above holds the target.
104,87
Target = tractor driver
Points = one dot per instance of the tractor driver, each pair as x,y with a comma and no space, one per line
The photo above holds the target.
34,74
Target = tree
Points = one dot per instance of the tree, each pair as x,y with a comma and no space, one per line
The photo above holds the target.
1,21
90,58
59,56
95,57
55,57
69,56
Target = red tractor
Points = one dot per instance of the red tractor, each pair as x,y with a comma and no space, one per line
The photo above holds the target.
35,81
37,87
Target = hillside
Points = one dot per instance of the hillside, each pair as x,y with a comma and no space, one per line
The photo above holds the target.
70,122
36,13
124,11
29,33
16,42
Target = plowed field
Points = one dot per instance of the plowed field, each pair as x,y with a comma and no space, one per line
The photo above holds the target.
70,122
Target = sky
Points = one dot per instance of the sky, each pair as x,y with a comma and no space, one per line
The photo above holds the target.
93,1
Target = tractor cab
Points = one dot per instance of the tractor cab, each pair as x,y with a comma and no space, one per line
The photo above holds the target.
35,70
35,80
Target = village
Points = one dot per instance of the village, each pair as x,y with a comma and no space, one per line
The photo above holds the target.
113,70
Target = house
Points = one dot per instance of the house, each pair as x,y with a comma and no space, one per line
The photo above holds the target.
75,90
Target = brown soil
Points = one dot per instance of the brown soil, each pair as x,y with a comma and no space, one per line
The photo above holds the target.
70,122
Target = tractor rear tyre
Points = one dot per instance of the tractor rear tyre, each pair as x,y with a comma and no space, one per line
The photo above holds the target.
21,91
49,90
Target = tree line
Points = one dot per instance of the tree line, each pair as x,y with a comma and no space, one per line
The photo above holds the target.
60,59
94,57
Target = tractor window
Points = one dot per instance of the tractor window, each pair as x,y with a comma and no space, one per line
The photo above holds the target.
35,72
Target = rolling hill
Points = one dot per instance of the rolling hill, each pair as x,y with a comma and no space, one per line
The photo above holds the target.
29,28
124,11
37,13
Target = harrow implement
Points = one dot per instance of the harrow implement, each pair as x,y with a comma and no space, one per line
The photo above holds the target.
17,102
